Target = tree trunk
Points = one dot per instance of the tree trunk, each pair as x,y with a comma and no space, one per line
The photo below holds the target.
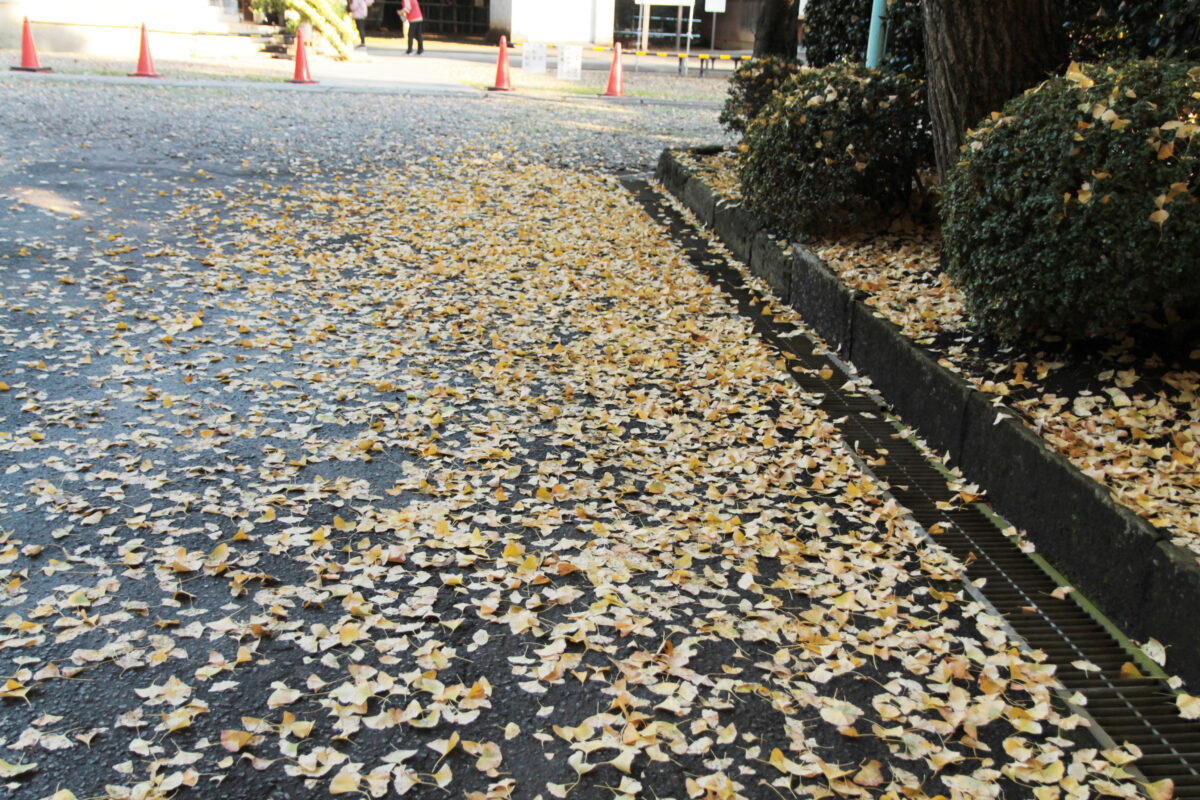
980,54
776,32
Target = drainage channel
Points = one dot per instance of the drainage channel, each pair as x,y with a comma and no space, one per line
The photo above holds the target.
1126,699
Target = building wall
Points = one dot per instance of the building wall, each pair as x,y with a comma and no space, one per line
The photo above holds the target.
554,21
112,28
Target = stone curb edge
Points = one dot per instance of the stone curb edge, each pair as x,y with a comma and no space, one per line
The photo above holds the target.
1147,585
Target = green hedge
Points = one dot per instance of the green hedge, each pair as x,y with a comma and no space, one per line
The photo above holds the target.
838,30
1106,29
751,87
836,147
1076,208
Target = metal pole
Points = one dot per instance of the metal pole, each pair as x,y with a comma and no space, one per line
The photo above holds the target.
645,28
691,20
875,43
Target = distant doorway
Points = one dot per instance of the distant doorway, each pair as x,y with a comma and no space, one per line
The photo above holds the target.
443,17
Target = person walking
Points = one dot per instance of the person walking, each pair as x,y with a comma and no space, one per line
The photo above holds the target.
416,25
358,11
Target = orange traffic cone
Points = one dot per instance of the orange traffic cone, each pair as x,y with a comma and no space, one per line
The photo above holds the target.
29,59
145,67
302,75
616,86
502,84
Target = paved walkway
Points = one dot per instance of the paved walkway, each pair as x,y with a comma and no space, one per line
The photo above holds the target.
445,68
384,445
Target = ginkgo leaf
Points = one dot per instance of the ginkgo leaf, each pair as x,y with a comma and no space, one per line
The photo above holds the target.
234,740
1160,790
1129,670
443,746
624,760
490,757
840,713
871,774
8,770
282,696
1155,651
404,781
345,781
348,633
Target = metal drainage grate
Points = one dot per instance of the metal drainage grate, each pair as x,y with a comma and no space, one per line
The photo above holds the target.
1136,710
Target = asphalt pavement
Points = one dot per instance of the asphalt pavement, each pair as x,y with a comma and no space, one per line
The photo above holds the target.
377,442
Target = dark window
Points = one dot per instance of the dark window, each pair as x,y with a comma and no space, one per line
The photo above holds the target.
668,27
452,17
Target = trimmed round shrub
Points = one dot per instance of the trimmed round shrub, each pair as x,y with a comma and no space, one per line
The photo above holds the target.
1075,208
836,147
1133,29
751,87
838,30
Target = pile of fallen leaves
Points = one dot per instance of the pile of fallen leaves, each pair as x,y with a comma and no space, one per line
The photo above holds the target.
460,476
1126,418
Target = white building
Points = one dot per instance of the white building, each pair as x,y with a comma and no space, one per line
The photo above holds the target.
575,21
182,28
185,28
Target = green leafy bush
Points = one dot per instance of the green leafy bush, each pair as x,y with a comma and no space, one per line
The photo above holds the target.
1128,29
835,147
1096,31
838,30
751,87
1077,207
1169,28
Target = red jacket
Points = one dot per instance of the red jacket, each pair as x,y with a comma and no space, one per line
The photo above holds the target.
413,7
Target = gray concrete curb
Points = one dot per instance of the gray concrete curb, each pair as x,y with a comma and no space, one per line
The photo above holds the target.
1130,569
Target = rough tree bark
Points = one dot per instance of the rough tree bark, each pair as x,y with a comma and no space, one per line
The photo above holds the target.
777,28
980,54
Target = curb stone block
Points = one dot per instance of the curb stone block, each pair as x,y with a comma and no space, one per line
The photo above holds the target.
822,299
1145,583
914,384
1169,612
736,229
699,198
771,262
1070,518
671,172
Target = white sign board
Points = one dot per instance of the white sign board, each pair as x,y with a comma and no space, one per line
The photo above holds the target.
570,62
714,6
533,58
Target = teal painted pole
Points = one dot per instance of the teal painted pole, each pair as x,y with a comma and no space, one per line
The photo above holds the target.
875,43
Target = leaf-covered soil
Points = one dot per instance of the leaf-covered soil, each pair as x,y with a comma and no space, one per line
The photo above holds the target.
1125,410
355,449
